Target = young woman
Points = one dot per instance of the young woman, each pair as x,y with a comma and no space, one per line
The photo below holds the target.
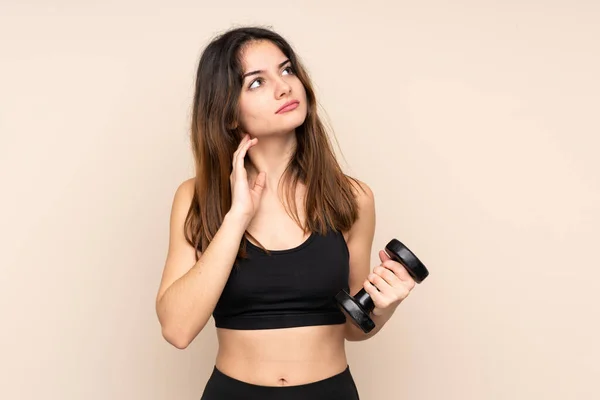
269,231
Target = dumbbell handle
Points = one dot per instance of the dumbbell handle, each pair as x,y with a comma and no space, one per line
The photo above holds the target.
366,302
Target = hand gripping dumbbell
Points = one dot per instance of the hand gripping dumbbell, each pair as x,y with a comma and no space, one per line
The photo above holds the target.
360,306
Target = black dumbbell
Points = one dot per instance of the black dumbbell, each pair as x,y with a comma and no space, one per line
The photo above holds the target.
360,306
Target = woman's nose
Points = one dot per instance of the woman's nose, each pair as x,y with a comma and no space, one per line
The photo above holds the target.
283,88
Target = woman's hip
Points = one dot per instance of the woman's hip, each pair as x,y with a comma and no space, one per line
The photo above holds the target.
337,387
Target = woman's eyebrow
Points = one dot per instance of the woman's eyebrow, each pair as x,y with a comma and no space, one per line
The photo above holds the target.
261,71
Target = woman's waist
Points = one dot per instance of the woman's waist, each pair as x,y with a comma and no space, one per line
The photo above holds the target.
280,357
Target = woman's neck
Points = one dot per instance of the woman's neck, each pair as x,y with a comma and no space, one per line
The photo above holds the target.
271,155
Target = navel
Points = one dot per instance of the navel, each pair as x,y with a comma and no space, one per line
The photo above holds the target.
282,382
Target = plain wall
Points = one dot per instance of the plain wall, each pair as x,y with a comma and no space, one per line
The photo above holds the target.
474,122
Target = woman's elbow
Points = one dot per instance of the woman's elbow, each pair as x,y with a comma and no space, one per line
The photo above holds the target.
176,338
181,336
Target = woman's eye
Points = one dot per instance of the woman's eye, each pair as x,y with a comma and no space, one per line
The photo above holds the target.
253,86
256,83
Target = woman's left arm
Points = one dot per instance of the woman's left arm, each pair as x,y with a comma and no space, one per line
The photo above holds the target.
388,284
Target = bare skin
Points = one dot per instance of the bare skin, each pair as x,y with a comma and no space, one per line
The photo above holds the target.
281,357
291,356
190,289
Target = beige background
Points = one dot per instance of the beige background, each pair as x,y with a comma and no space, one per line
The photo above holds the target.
474,122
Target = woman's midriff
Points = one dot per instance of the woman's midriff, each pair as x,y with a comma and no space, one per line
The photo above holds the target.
282,357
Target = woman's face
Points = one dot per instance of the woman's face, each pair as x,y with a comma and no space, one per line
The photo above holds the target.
269,83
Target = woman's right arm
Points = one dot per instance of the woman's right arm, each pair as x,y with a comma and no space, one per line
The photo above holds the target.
189,290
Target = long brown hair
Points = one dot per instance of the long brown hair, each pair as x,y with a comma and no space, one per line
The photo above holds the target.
330,200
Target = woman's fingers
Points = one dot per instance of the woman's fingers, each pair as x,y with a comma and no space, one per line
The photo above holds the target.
242,154
237,151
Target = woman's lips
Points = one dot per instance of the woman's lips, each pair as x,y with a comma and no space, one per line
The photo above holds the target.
289,106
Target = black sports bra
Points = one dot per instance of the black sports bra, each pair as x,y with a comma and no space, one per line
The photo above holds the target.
287,288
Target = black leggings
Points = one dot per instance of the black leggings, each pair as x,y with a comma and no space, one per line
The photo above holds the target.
224,387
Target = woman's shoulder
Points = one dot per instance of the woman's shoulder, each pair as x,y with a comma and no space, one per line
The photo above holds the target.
365,201
187,185
362,191
184,193
361,232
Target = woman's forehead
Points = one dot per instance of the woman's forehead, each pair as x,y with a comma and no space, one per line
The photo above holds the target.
261,55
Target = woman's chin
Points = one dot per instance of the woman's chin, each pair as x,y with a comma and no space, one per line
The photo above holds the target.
282,130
